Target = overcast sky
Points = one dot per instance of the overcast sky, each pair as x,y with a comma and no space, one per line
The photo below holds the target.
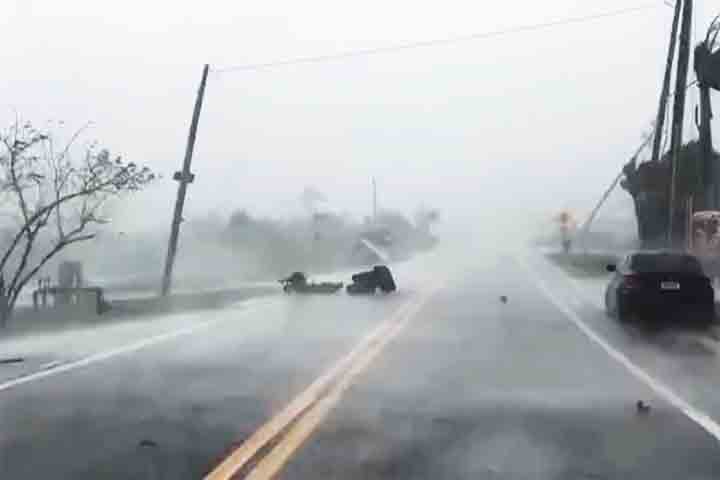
538,120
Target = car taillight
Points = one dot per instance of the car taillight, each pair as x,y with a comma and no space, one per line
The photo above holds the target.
631,281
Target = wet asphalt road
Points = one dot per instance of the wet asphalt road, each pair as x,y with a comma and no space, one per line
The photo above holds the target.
472,388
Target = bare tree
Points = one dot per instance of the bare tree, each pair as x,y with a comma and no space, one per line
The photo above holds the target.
52,193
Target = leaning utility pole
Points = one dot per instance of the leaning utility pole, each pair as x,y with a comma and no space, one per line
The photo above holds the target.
706,145
184,178
660,121
707,72
585,229
679,109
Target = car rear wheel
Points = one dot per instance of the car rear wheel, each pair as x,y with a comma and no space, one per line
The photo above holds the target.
609,309
623,313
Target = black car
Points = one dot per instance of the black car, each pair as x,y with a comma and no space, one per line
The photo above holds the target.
659,286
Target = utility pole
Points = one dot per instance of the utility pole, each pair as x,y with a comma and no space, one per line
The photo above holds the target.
706,142
184,178
679,109
660,121
703,62
586,226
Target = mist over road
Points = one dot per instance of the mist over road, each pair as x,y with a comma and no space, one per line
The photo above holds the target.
447,381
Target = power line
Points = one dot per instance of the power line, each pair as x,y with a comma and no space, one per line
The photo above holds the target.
436,42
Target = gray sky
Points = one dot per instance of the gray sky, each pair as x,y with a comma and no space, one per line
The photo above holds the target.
545,117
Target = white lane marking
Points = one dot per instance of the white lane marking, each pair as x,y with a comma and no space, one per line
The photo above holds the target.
241,455
49,365
307,404
709,340
595,300
270,466
51,370
662,390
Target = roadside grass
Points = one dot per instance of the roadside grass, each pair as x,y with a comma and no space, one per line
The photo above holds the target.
586,265
26,321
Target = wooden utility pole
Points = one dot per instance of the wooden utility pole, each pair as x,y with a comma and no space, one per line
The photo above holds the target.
662,109
679,109
586,226
184,178
712,202
703,72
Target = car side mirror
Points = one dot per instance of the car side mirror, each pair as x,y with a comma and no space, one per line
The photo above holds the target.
611,268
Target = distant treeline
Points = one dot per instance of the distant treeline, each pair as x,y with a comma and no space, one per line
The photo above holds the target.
215,250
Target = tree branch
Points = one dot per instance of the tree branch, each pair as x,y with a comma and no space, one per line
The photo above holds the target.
15,185
55,250
31,236
43,210
46,186
27,227
14,286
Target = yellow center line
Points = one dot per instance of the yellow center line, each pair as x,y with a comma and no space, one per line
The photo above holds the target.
245,452
269,466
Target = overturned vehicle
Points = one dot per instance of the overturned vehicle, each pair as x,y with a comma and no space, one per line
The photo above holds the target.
363,283
367,283
298,283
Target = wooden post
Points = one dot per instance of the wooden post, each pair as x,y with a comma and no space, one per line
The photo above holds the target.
660,121
184,178
679,110
586,226
709,176
706,142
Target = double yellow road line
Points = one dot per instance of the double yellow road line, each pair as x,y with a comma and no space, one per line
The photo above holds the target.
289,429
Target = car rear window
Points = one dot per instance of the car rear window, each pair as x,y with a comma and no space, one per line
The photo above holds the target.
651,263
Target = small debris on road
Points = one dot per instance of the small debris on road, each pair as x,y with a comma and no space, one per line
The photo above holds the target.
642,407
152,469
503,298
5,361
51,365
